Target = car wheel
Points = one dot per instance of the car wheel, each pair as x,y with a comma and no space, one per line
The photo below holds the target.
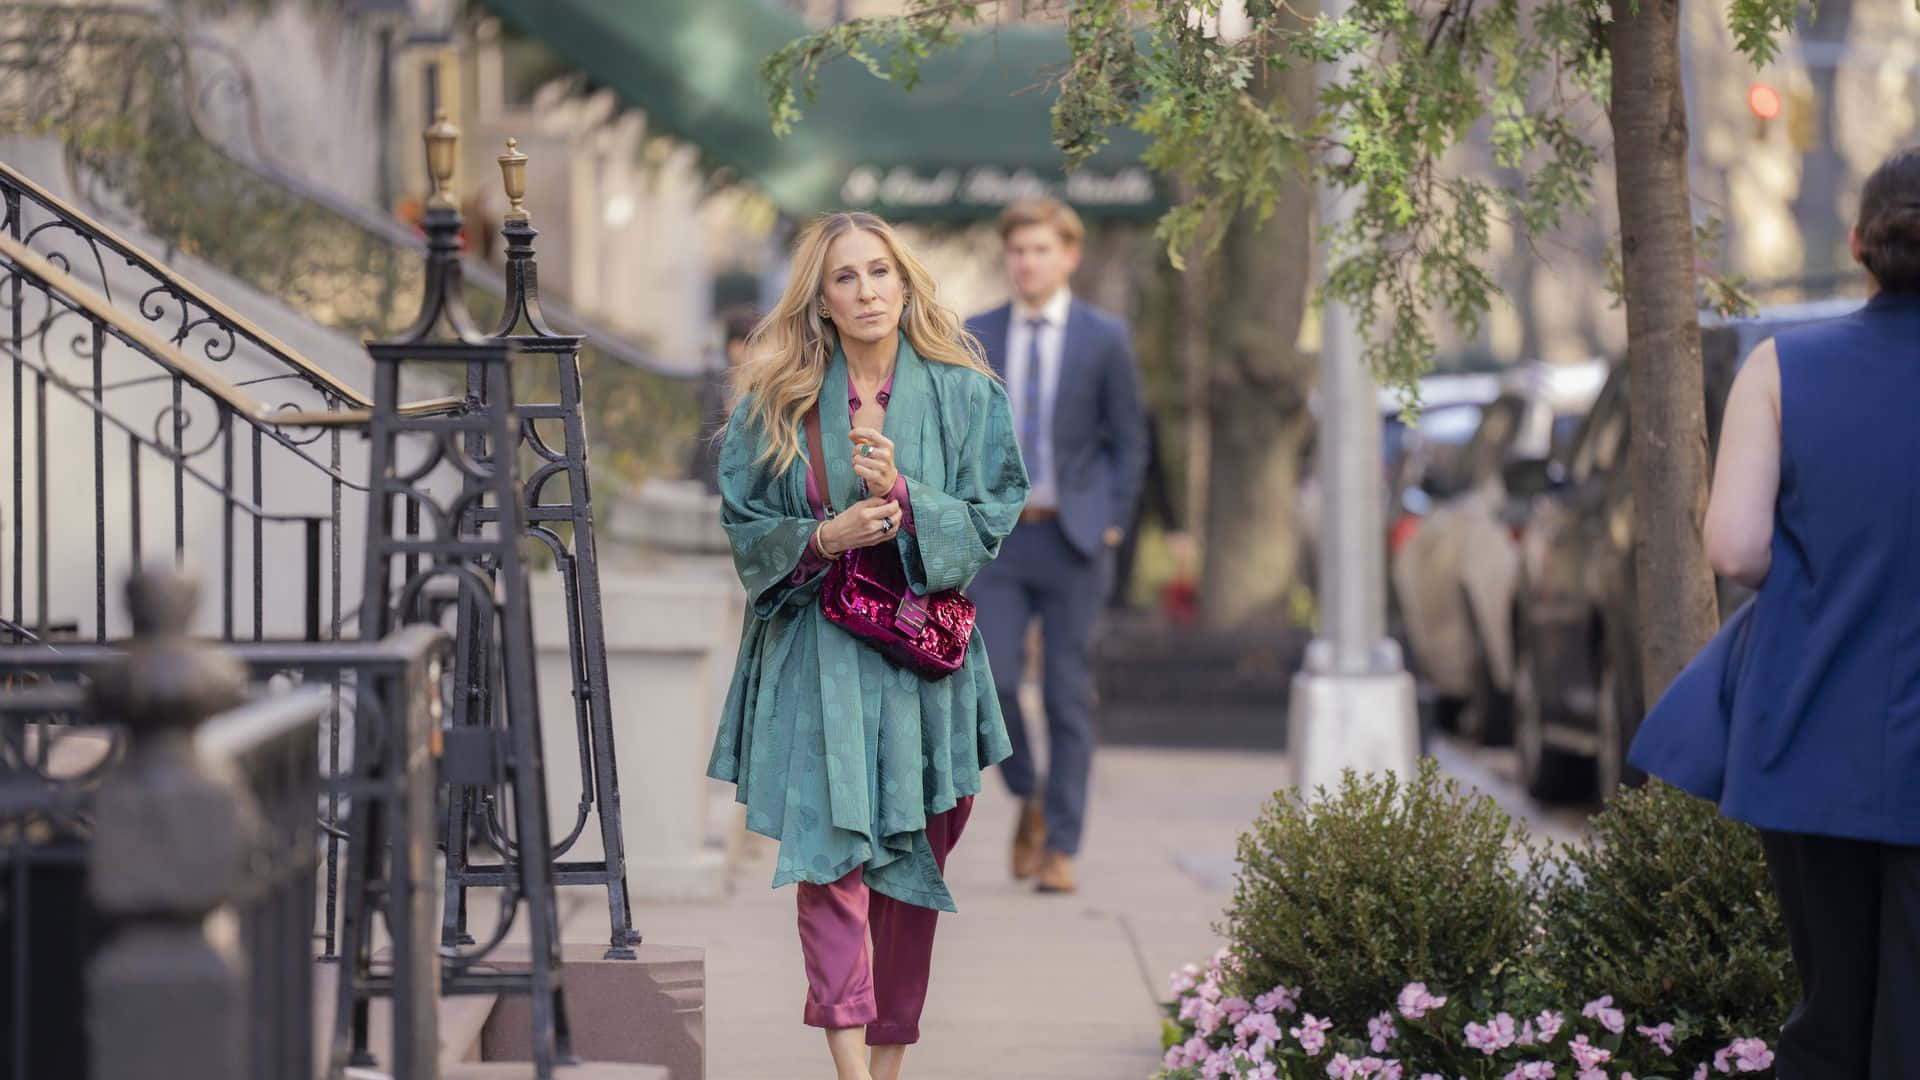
1549,773
1486,717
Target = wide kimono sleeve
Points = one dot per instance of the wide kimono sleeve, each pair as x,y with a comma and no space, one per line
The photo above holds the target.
958,528
768,533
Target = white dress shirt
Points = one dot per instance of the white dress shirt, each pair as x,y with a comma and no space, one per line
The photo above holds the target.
1053,338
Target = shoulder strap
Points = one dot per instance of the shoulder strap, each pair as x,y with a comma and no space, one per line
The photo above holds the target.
816,458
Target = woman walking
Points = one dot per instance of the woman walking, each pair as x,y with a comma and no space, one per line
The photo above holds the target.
862,394
1816,502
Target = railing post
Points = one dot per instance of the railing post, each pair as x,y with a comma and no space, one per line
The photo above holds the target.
578,563
167,994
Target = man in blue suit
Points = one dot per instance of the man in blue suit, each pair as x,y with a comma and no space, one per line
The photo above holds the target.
1081,421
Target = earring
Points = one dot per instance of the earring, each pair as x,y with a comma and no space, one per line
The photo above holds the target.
825,314
905,302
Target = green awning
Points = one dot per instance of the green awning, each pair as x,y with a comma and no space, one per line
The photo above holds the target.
975,134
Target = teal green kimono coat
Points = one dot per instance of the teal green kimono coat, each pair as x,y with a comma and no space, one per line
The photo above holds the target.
837,752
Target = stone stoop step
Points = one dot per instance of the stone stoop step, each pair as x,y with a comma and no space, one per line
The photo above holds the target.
462,1019
523,1071
599,1070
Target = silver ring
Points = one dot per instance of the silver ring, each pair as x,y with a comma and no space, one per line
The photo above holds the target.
886,524
866,449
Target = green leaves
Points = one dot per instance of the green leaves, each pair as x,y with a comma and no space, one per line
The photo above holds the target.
1670,910
1757,26
1425,86
1384,881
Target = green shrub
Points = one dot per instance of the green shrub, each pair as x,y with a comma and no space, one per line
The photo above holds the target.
1382,883
1668,907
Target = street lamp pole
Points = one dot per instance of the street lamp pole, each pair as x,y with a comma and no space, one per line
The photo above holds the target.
1353,704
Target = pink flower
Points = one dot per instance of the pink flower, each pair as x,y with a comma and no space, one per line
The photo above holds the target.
1381,1030
1525,1038
1609,1017
1431,1076
1588,1055
1661,1036
1312,1034
1218,1065
1256,1027
1210,990
1548,1024
1192,1052
1390,1070
1702,1073
1341,1067
1483,1038
1190,1008
1532,1070
1209,1018
1743,1055
1415,1002
1278,1000
1235,1008
1183,980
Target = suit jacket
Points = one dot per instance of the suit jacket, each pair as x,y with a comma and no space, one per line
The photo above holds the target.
1099,419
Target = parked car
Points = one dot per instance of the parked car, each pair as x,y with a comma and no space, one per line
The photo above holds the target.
1577,698
1450,412
1455,559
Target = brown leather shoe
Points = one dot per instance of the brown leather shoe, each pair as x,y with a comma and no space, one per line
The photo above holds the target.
1056,874
1029,841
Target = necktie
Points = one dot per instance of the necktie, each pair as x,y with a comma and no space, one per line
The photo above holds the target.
1030,403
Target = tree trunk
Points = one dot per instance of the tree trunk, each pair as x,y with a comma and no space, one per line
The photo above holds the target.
1668,452
1257,396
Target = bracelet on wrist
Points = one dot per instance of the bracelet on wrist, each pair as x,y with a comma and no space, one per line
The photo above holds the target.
820,547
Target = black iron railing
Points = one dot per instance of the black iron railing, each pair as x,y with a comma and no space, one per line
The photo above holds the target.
187,448
432,520
58,756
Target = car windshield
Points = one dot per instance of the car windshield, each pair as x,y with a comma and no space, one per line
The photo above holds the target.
1450,425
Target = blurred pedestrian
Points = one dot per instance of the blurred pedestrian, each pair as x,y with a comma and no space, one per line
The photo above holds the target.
1813,504
864,770
1156,500
1070,370
716,397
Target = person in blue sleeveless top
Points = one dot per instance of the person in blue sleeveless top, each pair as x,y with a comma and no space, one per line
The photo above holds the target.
1816,503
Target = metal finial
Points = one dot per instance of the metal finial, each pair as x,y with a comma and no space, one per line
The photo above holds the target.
513,171
443,139
161,602
168,681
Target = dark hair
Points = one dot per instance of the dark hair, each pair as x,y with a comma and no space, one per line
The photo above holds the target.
1889,224
740,323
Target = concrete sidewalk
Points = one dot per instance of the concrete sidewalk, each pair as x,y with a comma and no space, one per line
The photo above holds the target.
1024,986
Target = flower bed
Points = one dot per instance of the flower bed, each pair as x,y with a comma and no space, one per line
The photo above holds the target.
1420,1036
1402,929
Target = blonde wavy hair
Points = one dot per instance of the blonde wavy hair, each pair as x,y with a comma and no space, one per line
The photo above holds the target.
788,353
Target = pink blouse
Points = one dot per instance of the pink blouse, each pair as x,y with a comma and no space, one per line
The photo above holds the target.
810,561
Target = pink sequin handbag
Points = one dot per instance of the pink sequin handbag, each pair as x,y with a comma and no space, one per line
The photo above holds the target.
867,595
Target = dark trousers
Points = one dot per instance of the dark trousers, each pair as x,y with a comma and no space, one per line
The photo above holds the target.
1039,574
1852,910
